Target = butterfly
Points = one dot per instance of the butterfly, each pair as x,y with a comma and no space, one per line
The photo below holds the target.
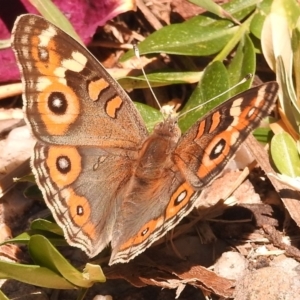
103,176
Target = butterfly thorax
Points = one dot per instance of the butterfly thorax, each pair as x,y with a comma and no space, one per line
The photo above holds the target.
155,154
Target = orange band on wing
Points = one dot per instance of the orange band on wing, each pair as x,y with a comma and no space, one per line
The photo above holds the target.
179,199
58,124
201,129
143,234
96,87
112,106
80,211
53,60
68,155
216,117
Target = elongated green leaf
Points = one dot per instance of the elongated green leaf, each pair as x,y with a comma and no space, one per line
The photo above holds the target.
285,154
243,63
33,192
187,39
34,275
214,8
237,36
214,82
27,178
45,225
289,9
24,238
263,135
201,35
160,79
263,9
45,254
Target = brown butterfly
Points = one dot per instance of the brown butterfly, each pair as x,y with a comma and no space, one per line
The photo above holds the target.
102,175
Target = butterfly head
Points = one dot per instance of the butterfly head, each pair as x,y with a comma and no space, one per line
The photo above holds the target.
168,128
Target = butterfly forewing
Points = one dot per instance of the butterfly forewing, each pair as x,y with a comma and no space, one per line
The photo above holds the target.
69,93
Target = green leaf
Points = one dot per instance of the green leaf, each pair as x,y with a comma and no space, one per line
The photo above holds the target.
214,8
263,134
93,272
34,275
150,115
263,9
236,37
159,79
188,38
45,225
27,178
285,154
242,64
289,9
33,192
201,35
24,238
45,254
214,81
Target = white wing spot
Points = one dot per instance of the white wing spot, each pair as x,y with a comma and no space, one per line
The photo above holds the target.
24,39
42,83
46,36
76,63
181,197
260,96
80,211
251,112
43,53
63,163
25,52
234,138
145,231
28,66
218,149
31,21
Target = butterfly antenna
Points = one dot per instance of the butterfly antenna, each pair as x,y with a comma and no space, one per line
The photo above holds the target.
247,77
137,54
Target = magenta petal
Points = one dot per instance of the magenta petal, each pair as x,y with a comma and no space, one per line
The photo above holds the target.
8,67
84,15
95,13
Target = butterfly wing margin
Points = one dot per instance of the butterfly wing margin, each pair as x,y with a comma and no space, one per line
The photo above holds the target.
205,149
